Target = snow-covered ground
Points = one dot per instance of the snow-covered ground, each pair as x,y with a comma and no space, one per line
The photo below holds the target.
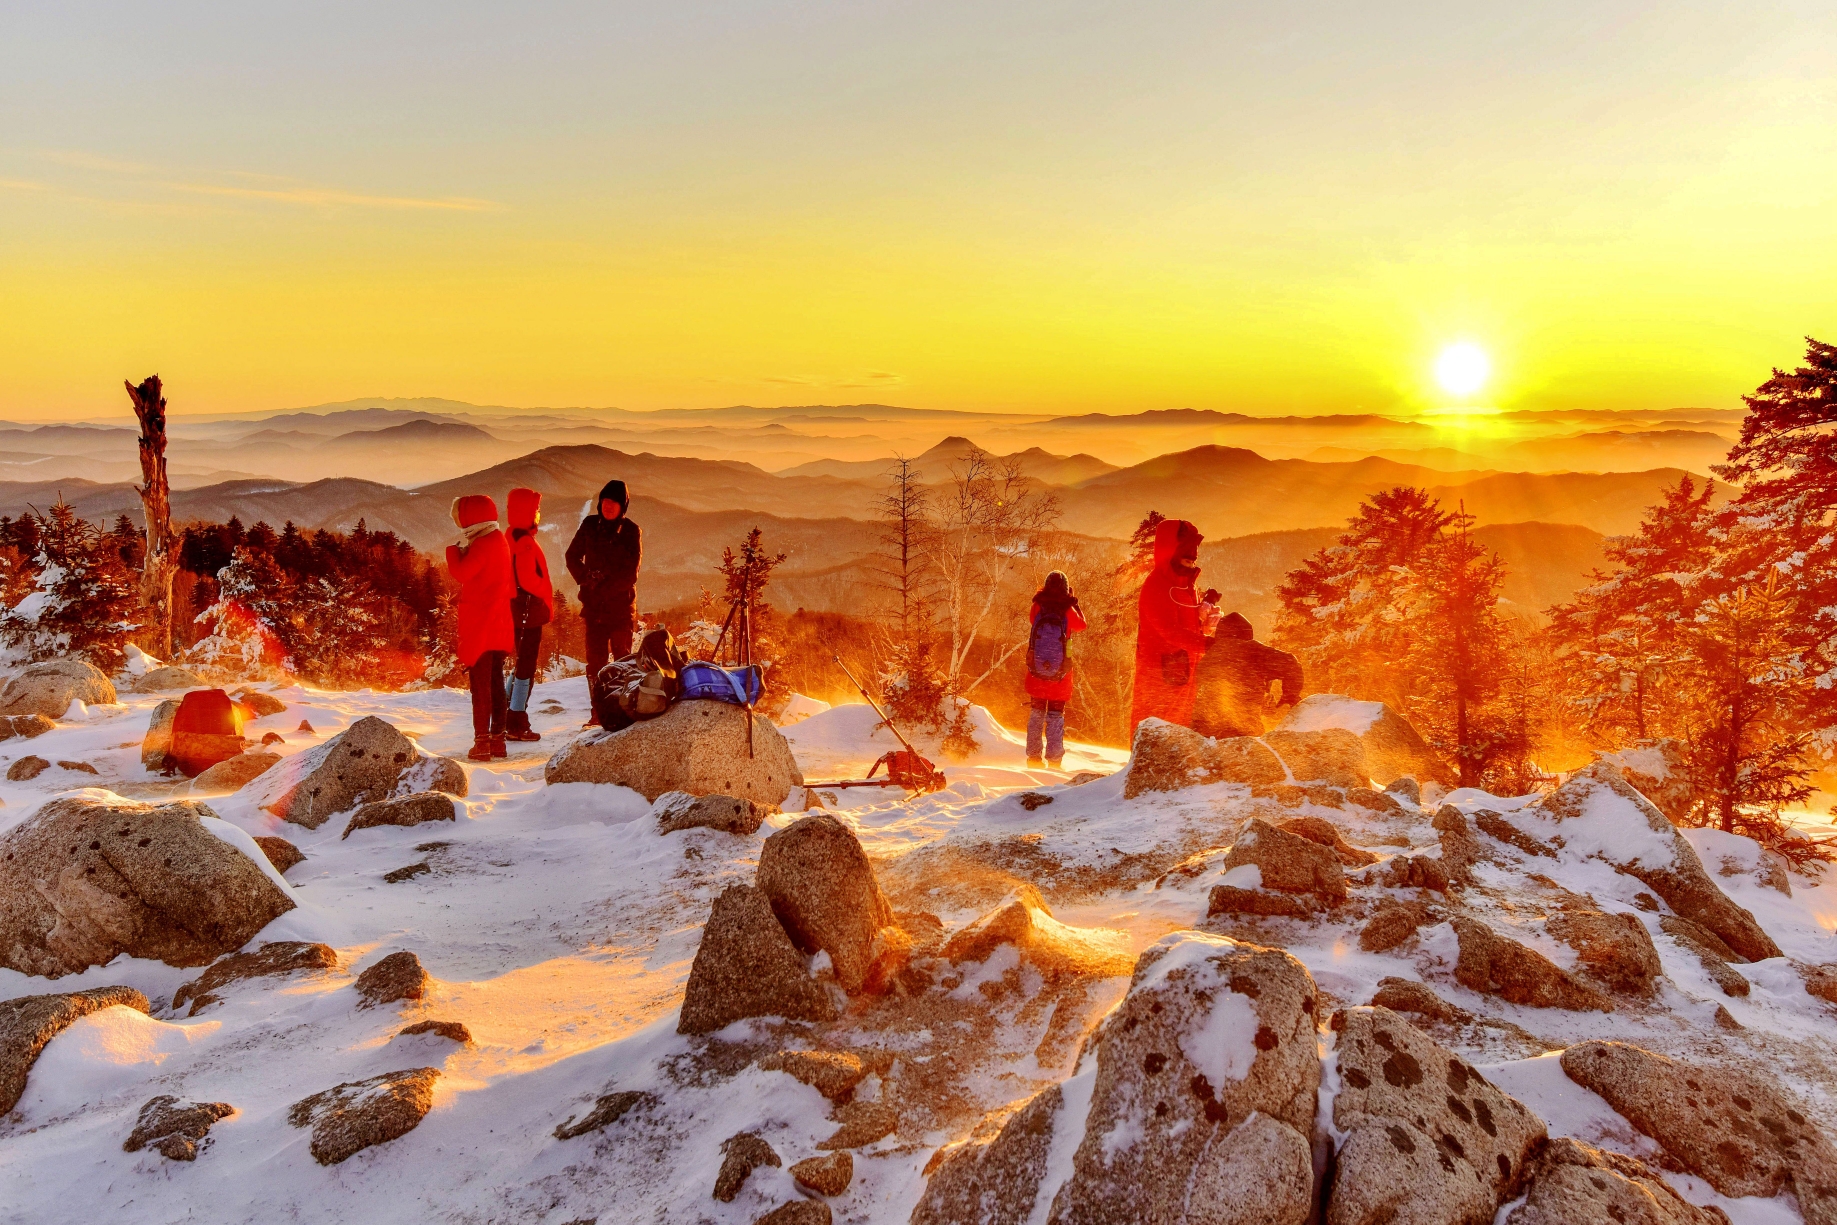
559,927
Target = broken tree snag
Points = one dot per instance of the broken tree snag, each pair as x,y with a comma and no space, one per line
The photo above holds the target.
156,502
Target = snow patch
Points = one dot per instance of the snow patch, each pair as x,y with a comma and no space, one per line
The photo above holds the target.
1325,711
1221,1044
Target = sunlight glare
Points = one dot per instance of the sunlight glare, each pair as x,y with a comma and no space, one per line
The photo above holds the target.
1462,368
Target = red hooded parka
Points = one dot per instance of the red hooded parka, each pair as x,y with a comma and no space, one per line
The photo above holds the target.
531,565
482,568
1168,638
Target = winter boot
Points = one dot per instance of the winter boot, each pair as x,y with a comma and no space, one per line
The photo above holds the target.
1055,763
1034,763
516,727
497,748
481,749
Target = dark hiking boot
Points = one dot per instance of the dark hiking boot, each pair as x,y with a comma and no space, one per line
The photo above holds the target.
1055,763
516,727
497,747
481,749
1034,763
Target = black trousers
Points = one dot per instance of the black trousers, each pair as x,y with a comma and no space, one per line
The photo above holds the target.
606,640
489,702
529,644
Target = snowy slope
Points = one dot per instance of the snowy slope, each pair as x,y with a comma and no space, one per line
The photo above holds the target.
559,927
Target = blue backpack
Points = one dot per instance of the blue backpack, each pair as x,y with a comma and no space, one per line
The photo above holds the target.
1047,657
739,686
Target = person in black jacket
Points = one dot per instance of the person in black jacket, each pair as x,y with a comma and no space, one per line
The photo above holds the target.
1234,678
603,558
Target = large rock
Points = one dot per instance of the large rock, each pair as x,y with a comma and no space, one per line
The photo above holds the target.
156,746
747,967
84,880
1735,1130
369,760
407,811
26,726
740,1156
274,958
49,688
1710,952
1327,834
1168,757
399,976
1289,862
234,773
259,705
1392,748
1426,1138
1206,1079
1657,770
1497,965
994,1181
166,678
1613,949
823,891
697,746
678,810
1050,946
1574,1183
351,1117
1330,755
172,1129
1621,826
27,768
30,1021
280,852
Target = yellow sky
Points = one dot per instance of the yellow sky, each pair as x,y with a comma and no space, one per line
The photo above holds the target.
1045,208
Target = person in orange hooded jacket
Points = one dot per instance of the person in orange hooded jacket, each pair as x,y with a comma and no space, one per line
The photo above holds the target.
480,562
1172,626
531,608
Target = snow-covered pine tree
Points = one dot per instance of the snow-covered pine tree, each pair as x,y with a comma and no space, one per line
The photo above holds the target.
83,600
244,628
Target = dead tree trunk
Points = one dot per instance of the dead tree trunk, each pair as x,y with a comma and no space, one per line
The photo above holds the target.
156,502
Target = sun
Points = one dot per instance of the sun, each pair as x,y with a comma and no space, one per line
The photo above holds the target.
1462,368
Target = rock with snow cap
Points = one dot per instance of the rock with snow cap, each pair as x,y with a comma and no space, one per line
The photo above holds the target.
1390,748
1658,771
1289,862
995,1181
367,761
1498,965
27,1022
1574,1184
1168,757
1205,1076
166,678
1615,950
1609,817
1426,1138
352,1117
1330,755
50,687
1327,834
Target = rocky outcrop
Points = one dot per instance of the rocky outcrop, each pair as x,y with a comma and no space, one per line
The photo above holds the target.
1613,949
1495,826
351,1117
49,688
1209,1067
156,745
823,891
1573,1183
1168,757
828,1175
1329,755
1415,872
1289,862
1604,801
396,977
798,1212
174,1130
607,1109
1497,965
406,811
234,773
452,1031
834,1074
696,746
1263,903
272,959
29,1021
746,966
862,1124
740,1156
1393,923
370,760
1051,947
1418,999
24,726
1426,1138
1391,748
1738,1132
84,880
1327,834
994,1181
26,769
731,814
166,678
259,705
1709,951
1657,770
280,852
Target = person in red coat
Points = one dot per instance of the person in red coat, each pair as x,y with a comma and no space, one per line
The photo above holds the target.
1172,627
531,607
1054,618
480,563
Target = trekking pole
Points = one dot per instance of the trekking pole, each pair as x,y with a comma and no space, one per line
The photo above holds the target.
891,726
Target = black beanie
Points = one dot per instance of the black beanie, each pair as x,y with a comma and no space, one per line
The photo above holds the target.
614,492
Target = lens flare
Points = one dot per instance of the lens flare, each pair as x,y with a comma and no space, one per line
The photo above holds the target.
1462,369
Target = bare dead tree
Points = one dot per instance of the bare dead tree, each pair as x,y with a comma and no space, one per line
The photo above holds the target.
156,502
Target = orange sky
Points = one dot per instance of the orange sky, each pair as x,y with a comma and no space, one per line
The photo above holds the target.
1088,207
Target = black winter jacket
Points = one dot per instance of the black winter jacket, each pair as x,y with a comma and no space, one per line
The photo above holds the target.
603,558
1233,682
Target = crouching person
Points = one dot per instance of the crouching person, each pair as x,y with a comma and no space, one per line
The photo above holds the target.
1237,680
1055,618
480,563
531,607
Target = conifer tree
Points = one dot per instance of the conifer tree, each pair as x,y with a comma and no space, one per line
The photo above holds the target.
1456,648
83,600
912,688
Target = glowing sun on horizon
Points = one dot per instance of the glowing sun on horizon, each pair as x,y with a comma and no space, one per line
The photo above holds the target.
1462,368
